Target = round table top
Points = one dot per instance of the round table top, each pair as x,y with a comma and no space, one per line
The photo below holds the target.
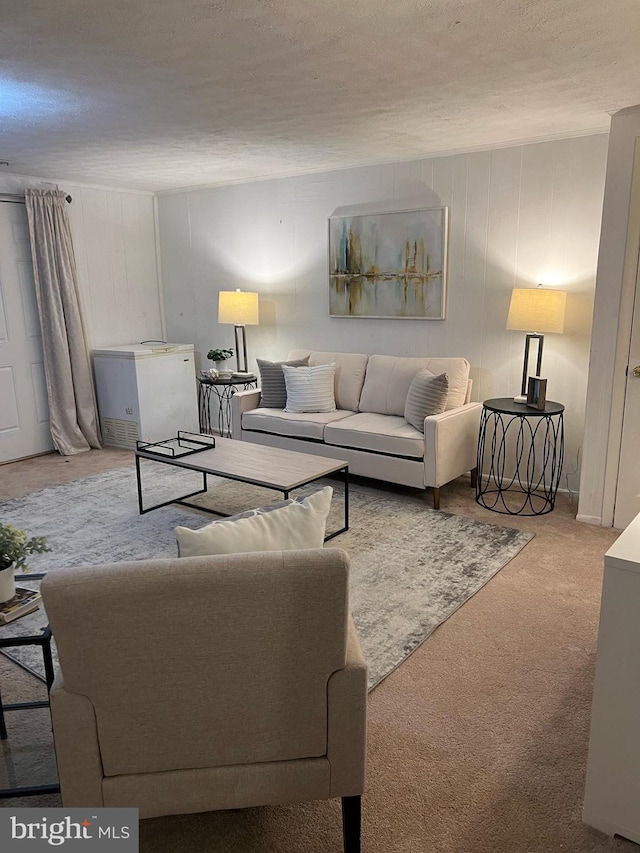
228,380
507,406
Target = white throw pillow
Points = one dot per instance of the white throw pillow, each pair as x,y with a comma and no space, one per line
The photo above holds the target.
310,389
297,524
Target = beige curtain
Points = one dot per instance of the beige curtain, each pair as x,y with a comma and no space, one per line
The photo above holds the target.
72,405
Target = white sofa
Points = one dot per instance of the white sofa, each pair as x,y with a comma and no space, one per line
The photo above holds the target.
368,429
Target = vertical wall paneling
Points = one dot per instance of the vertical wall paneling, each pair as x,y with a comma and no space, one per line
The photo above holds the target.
114,240
518,216
88,215
440,177
176,263
455,342
470,325
502,351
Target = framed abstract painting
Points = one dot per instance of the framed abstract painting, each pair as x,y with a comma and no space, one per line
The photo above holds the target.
389,265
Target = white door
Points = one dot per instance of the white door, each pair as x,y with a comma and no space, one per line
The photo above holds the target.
24,410
628,488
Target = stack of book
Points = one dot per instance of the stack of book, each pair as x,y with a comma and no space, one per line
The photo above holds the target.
23,602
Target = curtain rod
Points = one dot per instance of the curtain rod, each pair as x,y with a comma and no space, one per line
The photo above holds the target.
18,198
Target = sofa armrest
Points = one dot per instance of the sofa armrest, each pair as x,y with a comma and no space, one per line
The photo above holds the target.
75,736
347,721
242,401
451,444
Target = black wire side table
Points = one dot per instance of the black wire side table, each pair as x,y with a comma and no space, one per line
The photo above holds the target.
224,389
19,633
529,442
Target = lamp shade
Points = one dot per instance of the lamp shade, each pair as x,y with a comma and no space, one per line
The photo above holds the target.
537,309
238,307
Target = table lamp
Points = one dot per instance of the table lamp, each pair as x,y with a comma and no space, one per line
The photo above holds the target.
535,310
241,309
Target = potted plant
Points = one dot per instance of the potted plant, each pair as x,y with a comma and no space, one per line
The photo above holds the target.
15,547
219,356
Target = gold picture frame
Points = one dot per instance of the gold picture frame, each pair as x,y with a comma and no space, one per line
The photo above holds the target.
389,265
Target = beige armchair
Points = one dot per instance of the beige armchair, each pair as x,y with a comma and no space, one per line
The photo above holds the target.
209,683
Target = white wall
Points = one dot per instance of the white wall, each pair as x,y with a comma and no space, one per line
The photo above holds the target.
115,247
518,216
615,292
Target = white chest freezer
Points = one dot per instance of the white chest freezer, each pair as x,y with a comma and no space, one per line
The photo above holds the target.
145,391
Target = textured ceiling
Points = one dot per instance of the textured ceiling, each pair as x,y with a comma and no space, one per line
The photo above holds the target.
160,94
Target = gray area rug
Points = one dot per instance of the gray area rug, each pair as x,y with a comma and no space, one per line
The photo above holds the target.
411,567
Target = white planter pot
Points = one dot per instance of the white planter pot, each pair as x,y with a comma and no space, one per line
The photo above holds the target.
7,584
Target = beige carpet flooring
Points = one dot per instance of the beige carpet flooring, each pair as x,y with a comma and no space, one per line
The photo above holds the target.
477,743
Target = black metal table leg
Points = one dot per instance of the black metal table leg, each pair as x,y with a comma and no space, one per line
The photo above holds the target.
345,475
28,791
179,500
3,725
47,657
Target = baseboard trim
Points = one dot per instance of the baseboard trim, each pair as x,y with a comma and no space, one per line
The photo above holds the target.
590,519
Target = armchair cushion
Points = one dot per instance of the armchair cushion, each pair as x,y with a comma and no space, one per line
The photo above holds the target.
281,527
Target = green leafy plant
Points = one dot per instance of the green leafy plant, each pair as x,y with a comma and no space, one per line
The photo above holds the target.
219,354
15,546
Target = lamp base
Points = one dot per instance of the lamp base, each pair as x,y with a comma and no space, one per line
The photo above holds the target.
520,399
241,348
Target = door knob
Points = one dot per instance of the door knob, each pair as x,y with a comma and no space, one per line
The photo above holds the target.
636,371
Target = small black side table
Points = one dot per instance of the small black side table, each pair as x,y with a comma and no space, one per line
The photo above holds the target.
224,389
535,454
18,633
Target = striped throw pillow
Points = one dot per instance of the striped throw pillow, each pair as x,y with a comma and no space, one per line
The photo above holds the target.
427,396
310,389
273,391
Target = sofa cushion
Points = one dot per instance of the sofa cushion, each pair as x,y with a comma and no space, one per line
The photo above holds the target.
273,391
349,376
282,527
292,424
427,395
379,433
310,389
388,378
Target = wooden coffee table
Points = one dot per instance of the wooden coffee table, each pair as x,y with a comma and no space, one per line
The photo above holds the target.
270,467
